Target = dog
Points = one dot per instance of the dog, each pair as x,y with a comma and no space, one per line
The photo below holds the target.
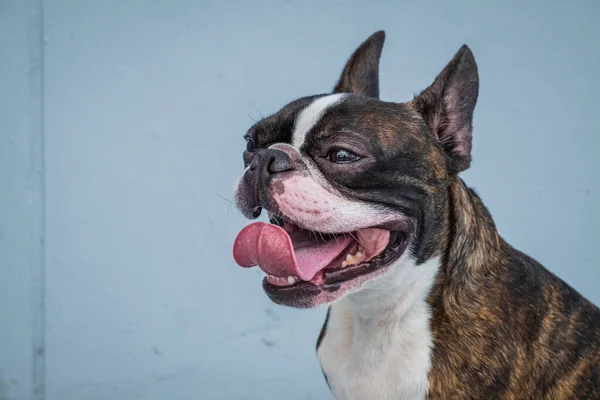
369,216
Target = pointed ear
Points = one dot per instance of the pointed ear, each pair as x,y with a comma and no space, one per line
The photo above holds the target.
447,107
361,73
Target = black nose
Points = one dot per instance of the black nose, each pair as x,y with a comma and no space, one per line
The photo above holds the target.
265,165
270,161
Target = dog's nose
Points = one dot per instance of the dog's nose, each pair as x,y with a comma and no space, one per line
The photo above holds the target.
271,161
265,164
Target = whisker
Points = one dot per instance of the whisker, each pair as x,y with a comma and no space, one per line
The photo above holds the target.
224,198
256,108
334,217
322,238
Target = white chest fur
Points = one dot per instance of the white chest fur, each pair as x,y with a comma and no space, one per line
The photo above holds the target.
378,342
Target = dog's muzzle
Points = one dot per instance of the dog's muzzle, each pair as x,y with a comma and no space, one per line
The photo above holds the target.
253,189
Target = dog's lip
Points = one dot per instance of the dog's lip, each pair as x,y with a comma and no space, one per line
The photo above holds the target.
395,225
399,225
302,288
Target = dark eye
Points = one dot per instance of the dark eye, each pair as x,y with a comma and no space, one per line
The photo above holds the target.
250,146
342,156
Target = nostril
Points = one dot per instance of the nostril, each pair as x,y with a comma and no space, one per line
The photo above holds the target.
254,163
256,212
280,163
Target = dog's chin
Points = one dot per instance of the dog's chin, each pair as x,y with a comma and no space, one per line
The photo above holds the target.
335,282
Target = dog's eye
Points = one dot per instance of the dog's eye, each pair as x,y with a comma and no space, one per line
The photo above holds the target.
250,145
340,156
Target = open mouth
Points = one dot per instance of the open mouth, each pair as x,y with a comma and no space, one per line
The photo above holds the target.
302,262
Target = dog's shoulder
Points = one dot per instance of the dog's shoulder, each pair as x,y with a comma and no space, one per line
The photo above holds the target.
517,329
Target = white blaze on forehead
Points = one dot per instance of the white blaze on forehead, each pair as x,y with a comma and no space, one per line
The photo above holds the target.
311,115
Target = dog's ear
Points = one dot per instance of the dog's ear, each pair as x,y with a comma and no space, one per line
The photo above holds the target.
361,73
447,107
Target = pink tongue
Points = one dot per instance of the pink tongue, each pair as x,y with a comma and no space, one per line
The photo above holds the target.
270,247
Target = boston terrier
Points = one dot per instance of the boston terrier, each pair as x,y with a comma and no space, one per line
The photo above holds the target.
368,215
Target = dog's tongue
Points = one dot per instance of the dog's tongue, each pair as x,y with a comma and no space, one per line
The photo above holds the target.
301,254
270,247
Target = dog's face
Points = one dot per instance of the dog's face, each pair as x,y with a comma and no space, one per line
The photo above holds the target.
354,186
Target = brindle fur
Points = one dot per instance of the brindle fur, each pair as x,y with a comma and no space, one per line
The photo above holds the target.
504,327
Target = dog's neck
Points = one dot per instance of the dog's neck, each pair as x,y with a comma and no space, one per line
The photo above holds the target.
473,244
380,332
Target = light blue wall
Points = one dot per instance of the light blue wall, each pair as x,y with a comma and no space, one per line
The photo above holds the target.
144,106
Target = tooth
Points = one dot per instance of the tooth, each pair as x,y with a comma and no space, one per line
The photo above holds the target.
291,280
353,259
344,264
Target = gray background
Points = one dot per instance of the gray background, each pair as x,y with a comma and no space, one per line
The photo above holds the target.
120,135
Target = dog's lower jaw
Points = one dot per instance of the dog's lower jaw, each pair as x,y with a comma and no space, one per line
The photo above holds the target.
377,342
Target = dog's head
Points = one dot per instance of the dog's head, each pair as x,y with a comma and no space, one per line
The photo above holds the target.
353,185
